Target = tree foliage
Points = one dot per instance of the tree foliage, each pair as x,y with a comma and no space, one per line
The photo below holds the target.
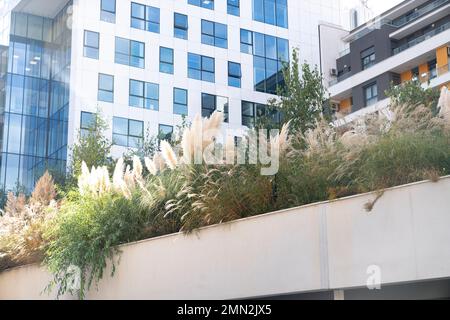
303,97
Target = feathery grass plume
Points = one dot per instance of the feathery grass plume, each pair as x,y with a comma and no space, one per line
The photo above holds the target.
129,179
150,165
83,179
44,191
159,162
137,168
190,137
118,175
211,128
169,155
230,150
444,105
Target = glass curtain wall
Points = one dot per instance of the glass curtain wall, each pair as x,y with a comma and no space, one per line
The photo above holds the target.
34,106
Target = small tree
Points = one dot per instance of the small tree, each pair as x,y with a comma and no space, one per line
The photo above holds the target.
91,147
303,98
412,94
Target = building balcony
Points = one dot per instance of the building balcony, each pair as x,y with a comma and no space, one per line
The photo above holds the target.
421,39
397,64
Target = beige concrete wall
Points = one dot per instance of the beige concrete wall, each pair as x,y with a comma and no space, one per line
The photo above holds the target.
318,247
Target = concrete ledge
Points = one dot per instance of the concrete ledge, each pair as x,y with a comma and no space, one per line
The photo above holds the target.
323,246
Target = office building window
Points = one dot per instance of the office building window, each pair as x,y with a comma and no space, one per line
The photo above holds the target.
180,101
129,52
165,132
180,28
371,94
233,7
166,60
252,112
368,58
234,74
87,122
105,88
108,11
91,44
214,34
211,103
208,4
128,133
269,55
145,17
201,67
272,12
144,95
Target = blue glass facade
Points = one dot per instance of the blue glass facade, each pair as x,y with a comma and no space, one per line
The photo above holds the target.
34,106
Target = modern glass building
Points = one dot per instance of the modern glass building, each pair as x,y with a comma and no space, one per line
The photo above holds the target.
144,64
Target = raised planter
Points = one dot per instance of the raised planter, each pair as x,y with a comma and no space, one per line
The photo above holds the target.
324,246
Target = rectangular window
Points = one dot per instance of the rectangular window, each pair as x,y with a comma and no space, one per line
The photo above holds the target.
233,7
234,74
128,133
144,95
368,58
274,12
91,44
208,4
269,55
246,41
87,122
371,94
180,101
211,103
201,67
129,52
214,34
108,11
251,112
145,17
166,60
105,88
165,132
180,28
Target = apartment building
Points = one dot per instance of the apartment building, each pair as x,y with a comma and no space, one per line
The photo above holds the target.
144,64
410,41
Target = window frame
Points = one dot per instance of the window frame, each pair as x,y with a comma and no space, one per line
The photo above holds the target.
207,112
368,58
105,90
128,136
373,98
166,63
86,45
131,56
199,3
214,36
183,30
234,77
147,21
180,104
201,70
146,100
107,15
233,9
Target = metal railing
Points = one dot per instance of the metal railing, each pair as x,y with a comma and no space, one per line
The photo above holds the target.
422,38
400,22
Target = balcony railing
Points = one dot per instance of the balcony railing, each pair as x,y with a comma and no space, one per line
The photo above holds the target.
432,74
422,38
400,22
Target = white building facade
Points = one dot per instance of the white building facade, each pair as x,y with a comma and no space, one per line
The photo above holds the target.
144,64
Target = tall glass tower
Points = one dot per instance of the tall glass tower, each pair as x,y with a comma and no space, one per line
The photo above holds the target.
34,99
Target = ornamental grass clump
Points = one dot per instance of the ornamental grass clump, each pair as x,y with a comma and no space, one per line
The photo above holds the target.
22,224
